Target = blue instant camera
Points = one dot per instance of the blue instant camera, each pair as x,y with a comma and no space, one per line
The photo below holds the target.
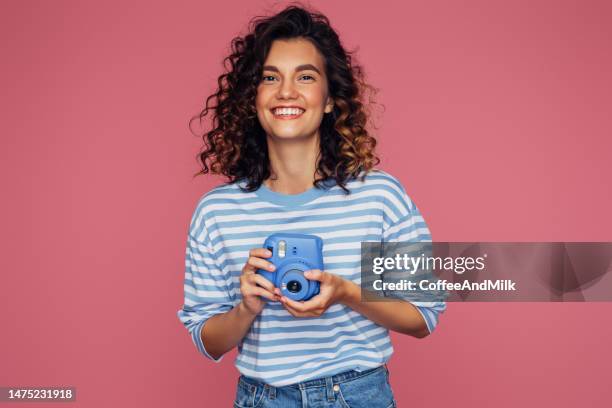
293,254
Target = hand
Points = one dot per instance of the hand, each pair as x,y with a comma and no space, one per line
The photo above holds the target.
333,289
254,286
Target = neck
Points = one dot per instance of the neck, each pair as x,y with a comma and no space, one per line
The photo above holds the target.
292,164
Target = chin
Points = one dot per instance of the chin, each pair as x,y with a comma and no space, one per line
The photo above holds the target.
291,135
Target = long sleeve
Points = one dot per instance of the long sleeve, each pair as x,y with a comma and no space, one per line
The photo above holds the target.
206,286
403,223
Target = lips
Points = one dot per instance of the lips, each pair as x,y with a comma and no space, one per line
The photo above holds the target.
291,112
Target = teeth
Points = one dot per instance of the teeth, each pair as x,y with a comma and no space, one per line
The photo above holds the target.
288,111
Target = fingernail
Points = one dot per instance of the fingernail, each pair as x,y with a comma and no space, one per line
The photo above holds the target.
271,267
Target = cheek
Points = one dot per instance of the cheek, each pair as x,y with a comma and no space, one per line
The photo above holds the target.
259,101
260,108
316,97
261,97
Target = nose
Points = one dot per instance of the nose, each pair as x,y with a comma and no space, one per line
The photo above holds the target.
287,90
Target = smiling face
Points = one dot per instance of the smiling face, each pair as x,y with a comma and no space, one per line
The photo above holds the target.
293,94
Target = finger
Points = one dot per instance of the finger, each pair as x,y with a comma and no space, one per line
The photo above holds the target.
248,269
303,307
264,283
260,252
264,293
251,266
292,311
314,274
256,253
297,313
259,263
251,282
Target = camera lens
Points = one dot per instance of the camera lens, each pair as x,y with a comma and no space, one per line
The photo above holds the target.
294,286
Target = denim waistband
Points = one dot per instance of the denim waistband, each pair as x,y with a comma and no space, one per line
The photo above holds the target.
319,382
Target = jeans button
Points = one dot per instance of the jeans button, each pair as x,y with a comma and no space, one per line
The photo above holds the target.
336,388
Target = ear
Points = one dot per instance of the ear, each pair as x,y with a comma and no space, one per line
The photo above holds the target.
329,105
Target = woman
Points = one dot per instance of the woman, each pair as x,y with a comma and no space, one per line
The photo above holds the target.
289,132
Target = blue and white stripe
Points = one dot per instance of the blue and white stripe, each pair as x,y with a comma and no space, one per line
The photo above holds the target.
280,349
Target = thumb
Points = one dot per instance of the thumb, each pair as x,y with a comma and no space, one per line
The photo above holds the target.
315,274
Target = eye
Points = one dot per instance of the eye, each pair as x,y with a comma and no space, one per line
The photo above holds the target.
267,78
307,77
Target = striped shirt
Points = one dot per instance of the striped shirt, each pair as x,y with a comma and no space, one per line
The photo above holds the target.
280,349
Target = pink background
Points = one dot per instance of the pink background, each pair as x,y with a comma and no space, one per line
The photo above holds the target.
498,122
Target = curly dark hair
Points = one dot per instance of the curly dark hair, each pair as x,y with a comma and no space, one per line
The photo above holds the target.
236,147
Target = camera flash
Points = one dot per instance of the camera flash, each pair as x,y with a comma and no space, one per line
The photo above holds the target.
282,246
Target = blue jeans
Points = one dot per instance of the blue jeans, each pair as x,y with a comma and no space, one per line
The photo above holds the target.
351,389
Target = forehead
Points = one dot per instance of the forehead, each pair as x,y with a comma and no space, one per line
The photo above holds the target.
287,54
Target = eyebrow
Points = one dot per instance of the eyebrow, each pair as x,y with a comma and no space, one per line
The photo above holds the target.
303,67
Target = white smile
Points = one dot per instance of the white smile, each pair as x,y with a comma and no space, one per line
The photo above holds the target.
287,112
